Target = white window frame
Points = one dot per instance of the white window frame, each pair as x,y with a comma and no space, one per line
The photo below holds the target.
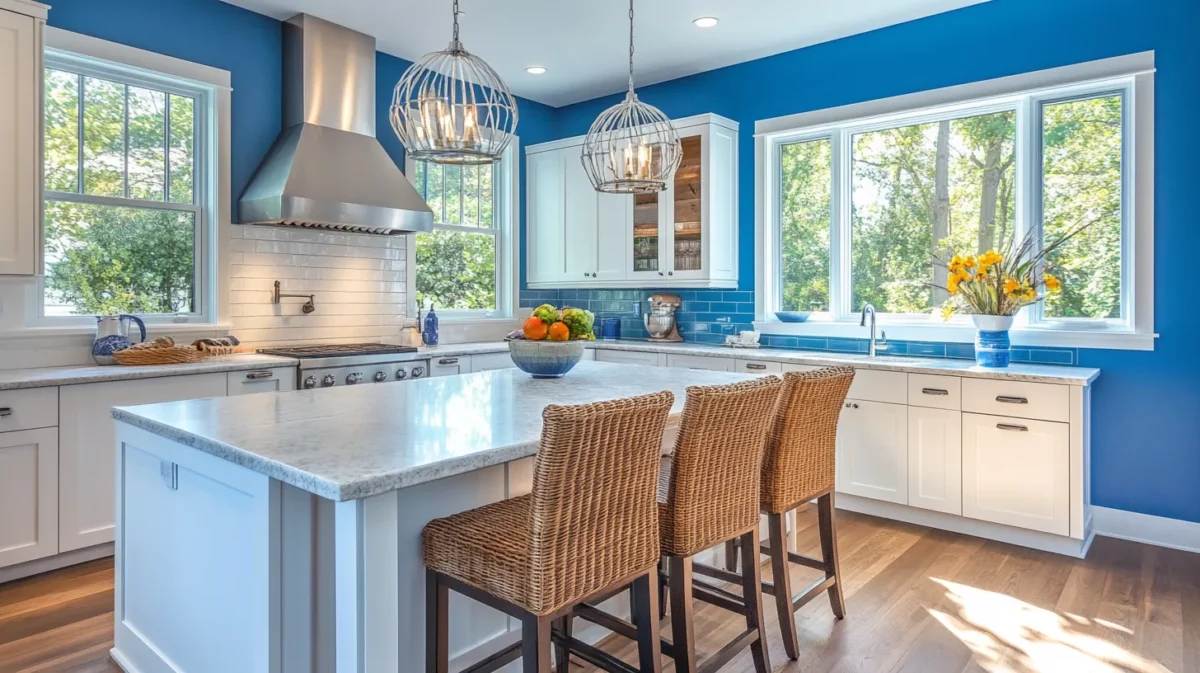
1131,76
210,87
506,189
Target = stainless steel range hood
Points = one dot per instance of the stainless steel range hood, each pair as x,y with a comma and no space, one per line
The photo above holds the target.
326,169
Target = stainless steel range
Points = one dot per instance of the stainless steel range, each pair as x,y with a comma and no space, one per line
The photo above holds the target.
326,366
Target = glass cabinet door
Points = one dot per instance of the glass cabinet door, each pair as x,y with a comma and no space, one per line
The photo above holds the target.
687,198
645,234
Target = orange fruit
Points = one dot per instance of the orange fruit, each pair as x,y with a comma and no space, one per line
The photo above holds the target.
560,332
535,329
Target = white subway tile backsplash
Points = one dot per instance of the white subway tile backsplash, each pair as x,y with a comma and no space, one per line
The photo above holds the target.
359,281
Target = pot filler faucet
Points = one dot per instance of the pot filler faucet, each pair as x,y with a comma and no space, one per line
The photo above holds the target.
882,343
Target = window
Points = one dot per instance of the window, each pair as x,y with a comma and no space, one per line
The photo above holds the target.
462,266
125,189
856,209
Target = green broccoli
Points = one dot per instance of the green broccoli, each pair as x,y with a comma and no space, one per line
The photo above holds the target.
547,313
580,322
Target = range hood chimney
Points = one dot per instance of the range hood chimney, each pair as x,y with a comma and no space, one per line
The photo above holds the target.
326,170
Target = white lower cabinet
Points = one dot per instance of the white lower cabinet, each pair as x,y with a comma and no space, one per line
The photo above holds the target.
450,366
935,459
872,450
700,362
1017,472
487,362
629,357
28,495
87,447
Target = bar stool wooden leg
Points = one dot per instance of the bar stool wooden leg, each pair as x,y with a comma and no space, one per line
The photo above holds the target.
829,552
535,644
562,649
782,579
752,593
437,624
731,555
646,619
683,632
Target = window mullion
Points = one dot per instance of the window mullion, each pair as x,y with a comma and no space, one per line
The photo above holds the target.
840,264
167,147
125,138
79,144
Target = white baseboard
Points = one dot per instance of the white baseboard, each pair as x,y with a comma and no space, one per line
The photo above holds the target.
1147,528
43,565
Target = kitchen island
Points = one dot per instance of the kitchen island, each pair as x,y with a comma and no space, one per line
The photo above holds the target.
281,532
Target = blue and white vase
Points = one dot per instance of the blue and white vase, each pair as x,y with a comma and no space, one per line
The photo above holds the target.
430,335
992,345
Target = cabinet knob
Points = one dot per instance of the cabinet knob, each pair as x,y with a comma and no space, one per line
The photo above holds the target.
593,275
660,273
855,405
6,411
670,273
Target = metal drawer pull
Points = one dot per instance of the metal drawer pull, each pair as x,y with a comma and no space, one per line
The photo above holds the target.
934,391
1007,399
448,361
1008,426
5,411
755,366
260,375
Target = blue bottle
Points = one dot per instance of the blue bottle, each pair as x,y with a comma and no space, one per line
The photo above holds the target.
430,336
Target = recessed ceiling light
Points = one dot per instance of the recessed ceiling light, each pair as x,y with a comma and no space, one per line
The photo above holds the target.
705,22
536,70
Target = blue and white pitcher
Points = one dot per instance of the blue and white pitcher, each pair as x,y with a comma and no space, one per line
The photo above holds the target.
112,335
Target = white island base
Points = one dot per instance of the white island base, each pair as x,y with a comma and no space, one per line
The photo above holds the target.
221,568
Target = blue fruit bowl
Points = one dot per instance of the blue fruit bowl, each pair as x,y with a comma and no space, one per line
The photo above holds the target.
545,359
792,316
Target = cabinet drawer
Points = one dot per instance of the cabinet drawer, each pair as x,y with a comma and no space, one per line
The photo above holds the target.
627,357
938,392
486,362
757,367
266,380
800,368
877,386
28,409
1045,401
700,362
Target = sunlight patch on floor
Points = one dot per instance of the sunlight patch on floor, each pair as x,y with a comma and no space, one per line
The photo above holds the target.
1007,635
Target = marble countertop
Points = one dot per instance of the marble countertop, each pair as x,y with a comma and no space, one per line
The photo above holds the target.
353,442
1076,376
12,379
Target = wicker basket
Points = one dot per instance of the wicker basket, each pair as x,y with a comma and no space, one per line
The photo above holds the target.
157,356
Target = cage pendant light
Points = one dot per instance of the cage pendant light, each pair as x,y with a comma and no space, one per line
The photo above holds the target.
451,107
632,148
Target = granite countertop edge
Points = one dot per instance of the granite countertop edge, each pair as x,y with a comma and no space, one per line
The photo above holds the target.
44,377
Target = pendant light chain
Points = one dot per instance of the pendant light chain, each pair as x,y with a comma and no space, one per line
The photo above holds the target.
456,42
630,47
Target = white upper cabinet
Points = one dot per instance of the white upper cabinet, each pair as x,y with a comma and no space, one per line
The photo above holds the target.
21,25
685,236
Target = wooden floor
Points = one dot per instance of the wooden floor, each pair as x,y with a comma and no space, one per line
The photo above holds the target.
919,601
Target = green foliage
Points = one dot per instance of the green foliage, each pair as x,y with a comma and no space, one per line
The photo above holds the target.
107,258
456,269
805,210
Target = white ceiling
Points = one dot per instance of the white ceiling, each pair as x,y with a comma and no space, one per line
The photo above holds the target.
584,43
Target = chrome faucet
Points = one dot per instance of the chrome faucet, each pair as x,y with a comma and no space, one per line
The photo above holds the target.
881,345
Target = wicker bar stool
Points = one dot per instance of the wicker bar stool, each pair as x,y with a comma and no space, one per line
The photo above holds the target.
708,493
799,466
589,527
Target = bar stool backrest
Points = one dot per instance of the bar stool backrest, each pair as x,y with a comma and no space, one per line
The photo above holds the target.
714,481
799,461
593,505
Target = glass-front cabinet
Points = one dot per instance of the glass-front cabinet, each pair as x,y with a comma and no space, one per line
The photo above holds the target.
684,236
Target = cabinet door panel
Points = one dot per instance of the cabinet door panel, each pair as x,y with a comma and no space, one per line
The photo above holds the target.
613,218
581,204
547,216
276,380
28,495
450,366
20,143
935,459
1016,472
88,447
872,450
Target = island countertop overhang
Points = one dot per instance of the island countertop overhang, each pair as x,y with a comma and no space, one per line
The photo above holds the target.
358,441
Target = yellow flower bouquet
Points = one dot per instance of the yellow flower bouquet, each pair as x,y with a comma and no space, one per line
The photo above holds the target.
993,284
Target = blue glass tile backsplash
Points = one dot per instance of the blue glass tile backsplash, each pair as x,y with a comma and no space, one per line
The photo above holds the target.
708,315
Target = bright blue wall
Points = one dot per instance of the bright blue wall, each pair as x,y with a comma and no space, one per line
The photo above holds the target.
250,47
1146,429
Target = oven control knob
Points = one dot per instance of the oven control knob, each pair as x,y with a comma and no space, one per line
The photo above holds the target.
380,377
418,372
401,374
353,378
328,380
310,382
